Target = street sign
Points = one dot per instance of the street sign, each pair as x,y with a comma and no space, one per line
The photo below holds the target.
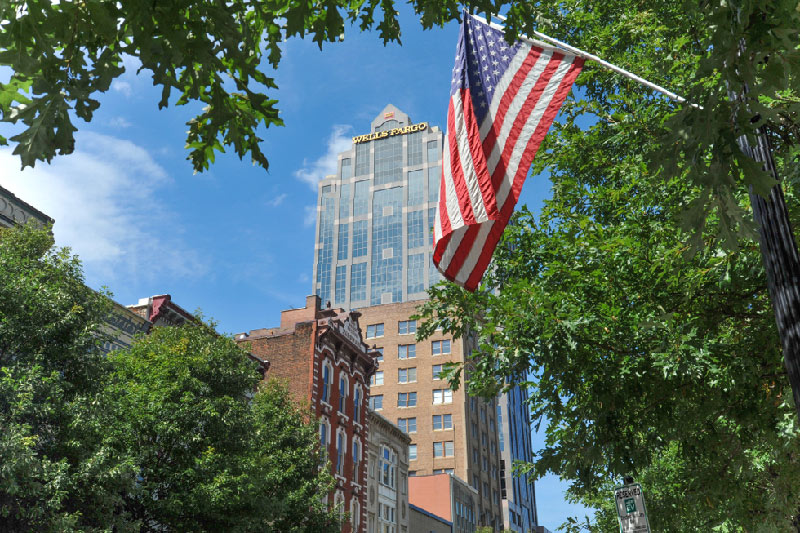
632,513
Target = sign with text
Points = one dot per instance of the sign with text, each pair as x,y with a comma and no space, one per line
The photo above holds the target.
389,133
629,500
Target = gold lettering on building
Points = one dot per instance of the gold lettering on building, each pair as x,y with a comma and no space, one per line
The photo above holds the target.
390,133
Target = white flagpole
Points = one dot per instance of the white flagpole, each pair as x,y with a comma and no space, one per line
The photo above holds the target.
586,55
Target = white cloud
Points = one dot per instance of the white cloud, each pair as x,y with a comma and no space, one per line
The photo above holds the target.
119,122
105,202
313,172
278,200
123,87
310,217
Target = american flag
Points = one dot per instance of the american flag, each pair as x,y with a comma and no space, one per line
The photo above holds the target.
502,101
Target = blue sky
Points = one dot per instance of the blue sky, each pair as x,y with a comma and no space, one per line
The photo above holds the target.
236,241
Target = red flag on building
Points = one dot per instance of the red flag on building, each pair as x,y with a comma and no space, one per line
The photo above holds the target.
503,100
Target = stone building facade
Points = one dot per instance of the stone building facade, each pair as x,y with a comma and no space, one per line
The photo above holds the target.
319,352
387,480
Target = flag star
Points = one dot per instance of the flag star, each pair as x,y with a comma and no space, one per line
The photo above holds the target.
496,72
483,103
505,57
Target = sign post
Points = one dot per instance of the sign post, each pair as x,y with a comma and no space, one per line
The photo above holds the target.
629,500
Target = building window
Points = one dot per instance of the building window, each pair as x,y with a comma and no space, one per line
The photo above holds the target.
433,152
414,141
342,392
416,187
362,159
440,347
443,421
406,351
474,430
483,414
407,375
415,228
406,327
377,378
475,482
415,275
412,454
324,436
358,282
356,457
341,284
327,378
437,371
388,159
376,402
484,464
374,331
359,238
341,449
475,456
443,449
357,404
434,183
444,471
344,237
407,425
407,399
442,396
484,440
388,466
379,357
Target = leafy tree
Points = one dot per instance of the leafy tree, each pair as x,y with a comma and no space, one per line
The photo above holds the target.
55,473
169,435
63,54
209,455
642,357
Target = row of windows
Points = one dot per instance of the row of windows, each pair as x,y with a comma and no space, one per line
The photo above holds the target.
388,156
404,327
409,399
405,375
344,391
341,449
440,422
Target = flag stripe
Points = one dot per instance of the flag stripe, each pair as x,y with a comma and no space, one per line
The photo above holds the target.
502,102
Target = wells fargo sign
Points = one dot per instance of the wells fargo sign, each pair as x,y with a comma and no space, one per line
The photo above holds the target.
388,133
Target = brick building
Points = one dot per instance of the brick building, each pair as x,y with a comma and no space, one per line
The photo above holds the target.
319,352
447,497
450,432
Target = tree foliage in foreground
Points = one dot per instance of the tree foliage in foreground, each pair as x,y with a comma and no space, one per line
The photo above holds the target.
645,354
169,435
63,55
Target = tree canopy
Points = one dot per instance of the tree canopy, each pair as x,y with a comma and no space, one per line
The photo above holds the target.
62,55
172,434
636,313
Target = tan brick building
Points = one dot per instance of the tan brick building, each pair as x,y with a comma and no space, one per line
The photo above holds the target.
450,432
319,352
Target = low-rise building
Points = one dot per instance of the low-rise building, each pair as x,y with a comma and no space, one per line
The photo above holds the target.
421,521
320,354
448,497
387,481
15,211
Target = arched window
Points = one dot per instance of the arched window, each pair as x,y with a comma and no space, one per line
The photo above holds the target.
327,380
324,440
341,450
338,503
355,514
356,457
357,403
342,391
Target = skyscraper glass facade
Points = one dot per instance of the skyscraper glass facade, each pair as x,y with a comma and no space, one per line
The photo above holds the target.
375,220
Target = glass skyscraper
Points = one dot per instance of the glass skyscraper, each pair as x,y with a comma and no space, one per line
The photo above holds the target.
375,216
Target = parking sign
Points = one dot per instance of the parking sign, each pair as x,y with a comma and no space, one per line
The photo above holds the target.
632,513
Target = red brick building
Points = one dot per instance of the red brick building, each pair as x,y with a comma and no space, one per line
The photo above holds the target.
320,353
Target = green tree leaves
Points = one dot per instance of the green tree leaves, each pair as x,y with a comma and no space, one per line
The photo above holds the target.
173,434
